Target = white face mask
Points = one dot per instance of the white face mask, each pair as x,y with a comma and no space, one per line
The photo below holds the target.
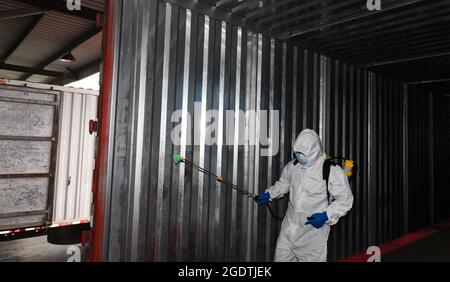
302,159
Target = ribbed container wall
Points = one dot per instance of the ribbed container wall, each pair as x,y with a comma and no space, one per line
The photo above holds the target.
174,67
429,152
196,64
441,107
386,159
346,134
419,166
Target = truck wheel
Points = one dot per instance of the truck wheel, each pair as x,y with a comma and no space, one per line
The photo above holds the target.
66,235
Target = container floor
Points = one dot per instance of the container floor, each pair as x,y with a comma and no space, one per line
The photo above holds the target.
433,248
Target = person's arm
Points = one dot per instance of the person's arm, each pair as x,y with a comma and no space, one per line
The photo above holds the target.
339,189
282,186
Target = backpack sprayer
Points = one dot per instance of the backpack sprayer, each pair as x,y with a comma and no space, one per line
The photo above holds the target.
177,159
349,168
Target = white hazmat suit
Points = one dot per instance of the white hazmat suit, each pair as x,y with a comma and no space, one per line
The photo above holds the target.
308,195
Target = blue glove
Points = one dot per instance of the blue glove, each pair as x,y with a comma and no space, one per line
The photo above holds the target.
317,220
263,198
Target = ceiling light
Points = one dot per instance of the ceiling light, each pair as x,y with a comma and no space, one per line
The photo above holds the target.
68,58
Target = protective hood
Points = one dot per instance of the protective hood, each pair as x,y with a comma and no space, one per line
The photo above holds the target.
308,143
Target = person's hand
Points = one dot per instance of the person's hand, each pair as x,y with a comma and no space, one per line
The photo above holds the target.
317,220
263,198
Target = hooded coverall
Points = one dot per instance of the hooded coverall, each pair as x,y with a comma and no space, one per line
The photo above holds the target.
308,195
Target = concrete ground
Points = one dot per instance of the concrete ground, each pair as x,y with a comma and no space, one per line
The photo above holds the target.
36,249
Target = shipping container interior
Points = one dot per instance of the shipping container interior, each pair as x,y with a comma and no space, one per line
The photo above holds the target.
372,80
229,84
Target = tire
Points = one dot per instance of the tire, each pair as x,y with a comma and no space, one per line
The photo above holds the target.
66,235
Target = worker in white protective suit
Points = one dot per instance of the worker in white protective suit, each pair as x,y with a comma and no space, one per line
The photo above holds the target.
306,226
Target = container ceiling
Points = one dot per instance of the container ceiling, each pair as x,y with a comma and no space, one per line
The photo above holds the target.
408,39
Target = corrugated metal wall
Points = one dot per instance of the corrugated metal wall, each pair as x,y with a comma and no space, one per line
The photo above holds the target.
346,135
419,164
170,59
386,159
429,150
194,59
75,158
441,147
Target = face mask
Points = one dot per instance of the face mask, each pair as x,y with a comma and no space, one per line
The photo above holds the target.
302,159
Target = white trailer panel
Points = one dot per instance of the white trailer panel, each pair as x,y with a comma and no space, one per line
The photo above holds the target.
75,159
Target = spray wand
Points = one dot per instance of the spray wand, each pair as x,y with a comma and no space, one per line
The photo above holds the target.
177,159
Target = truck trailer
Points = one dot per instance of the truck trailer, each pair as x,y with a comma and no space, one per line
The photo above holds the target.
46,160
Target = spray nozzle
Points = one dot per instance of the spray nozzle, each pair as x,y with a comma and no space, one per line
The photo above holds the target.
177,159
